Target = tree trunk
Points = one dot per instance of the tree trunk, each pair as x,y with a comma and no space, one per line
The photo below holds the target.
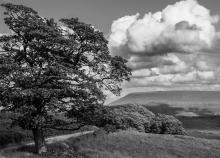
40,146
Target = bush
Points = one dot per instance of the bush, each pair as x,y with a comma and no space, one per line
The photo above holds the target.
110,128
7,137
138,117
166,124
128,116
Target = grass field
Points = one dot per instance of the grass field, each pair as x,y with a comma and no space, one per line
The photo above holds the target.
208,134
134,144
201,123
130,144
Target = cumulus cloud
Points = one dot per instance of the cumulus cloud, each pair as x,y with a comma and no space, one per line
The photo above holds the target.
185,26
177,47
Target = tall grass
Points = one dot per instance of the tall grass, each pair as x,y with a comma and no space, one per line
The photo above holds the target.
133,144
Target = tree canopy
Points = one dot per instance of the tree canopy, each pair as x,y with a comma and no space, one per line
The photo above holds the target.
48,67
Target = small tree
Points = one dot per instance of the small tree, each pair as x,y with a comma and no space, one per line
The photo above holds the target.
48,67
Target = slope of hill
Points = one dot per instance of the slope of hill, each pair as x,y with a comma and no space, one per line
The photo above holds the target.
141,145
131,144
193,103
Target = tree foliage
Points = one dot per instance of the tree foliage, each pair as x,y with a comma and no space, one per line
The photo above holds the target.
48,67
167,124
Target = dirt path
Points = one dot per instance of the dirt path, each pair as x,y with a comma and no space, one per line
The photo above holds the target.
50,140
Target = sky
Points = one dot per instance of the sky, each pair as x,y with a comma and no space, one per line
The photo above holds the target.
169,44
100,13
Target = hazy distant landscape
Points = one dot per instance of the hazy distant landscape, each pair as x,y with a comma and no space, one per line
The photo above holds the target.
181,103
197,110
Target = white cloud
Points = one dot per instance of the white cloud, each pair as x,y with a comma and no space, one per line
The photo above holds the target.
182,27
206,75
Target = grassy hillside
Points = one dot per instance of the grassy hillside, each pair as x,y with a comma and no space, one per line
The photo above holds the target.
201,122
132,144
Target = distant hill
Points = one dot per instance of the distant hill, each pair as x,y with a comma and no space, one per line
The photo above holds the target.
192,103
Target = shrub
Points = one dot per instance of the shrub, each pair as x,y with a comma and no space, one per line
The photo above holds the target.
166,124
110,128
125,117
7,137
140,118
132,116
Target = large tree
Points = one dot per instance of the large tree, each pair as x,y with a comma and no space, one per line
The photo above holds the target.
49,67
